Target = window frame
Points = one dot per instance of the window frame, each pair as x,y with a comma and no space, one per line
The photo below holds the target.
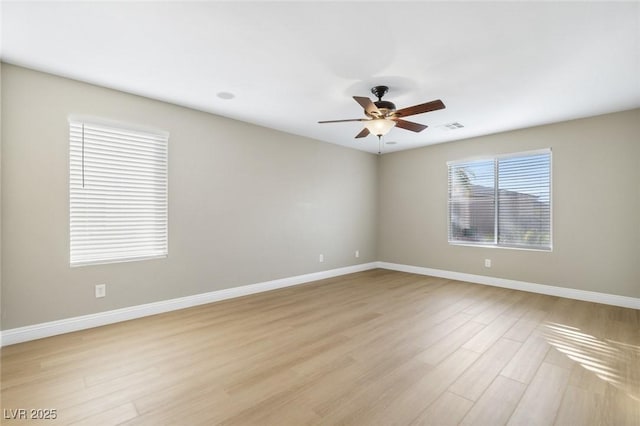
131,132
496,159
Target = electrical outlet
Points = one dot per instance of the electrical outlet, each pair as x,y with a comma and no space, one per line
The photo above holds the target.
357,253
101,290
321,258
487,263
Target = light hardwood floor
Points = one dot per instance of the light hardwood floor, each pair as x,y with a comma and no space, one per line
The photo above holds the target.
377,347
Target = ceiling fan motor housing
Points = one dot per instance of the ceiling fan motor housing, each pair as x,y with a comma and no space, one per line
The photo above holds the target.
386,108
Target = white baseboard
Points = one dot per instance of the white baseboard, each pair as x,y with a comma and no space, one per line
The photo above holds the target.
569,293
52,328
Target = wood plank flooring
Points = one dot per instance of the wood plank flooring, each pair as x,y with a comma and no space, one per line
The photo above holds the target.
373,348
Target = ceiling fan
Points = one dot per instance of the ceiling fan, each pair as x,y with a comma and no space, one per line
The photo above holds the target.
383,116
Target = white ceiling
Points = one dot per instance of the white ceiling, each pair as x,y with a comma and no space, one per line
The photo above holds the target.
496,65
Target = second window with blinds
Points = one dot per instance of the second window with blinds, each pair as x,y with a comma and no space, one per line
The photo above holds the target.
503,201
118,194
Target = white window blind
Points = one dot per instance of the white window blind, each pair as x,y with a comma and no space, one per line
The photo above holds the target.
118,194
503,201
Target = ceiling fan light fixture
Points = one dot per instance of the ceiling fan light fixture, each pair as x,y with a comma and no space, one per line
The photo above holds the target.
379,126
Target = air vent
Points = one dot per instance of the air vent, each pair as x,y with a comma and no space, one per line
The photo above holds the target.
453,126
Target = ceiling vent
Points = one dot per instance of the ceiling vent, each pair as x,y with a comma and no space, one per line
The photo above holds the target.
453,126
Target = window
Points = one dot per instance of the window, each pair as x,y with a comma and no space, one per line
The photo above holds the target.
503,201
117,193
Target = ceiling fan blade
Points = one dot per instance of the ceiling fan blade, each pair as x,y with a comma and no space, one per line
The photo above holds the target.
368,106
342,121
363,133
410,125
419,109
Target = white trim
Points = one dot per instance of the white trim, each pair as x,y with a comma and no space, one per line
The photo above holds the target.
499,156
53,328
570,293
106,122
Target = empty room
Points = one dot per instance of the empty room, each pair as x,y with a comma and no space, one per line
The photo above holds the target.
289,213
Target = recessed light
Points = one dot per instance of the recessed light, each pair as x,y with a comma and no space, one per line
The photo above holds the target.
225,95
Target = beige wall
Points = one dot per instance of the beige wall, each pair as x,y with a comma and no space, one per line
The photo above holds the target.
596,206
246,204
1,310
249,204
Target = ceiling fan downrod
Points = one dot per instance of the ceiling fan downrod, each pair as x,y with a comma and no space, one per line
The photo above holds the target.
386,108
379,91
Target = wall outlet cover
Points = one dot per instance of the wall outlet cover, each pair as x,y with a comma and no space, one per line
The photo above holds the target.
101,290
